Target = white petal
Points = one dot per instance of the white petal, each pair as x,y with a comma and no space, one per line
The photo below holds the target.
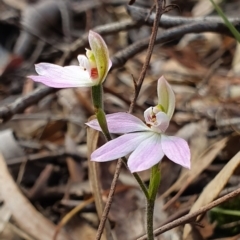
118,147
177,150
162,121
61,77
121,123
147,154
148,115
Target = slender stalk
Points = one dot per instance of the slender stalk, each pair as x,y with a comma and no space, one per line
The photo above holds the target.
109,201
97,99
150,211
155,179
141,184
159,12
138,179
101,117
97,96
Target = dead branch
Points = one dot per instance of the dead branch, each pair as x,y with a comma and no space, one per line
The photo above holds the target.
189,217
159,12
6,112
168,35
140,14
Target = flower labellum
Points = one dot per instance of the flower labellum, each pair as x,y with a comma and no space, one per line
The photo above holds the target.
146,143
92,70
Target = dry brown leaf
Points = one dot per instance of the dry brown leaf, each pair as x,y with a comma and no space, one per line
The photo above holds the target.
16,4
34,222
202,44
5,215
175,72
93,168
204,7
81,229
236,61
212,190
75,168
12,232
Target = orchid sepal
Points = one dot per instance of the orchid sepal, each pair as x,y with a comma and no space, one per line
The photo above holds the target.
99,53
166,97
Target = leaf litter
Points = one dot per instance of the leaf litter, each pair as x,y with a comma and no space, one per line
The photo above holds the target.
45,173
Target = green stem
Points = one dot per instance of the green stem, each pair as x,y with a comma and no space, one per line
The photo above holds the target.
97,93
139,180
154,183
150,210
101,117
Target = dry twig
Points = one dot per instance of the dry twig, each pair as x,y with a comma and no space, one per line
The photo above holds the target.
139,15
159,12
7,112
189,217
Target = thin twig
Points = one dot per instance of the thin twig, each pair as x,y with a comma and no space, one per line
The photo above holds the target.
188,218
145,16
168,35
6,112
159,12
109,200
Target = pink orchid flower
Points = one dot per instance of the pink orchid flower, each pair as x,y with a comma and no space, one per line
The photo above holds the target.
146,143
92,69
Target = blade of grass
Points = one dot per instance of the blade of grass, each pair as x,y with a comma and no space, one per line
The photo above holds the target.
233,30
226,211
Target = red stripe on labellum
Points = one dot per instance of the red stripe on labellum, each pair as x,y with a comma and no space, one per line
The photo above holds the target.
94,73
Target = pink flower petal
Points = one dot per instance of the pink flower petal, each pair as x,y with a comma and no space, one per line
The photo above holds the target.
118,147
121,123
147,154
163,121
61,77
177,150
